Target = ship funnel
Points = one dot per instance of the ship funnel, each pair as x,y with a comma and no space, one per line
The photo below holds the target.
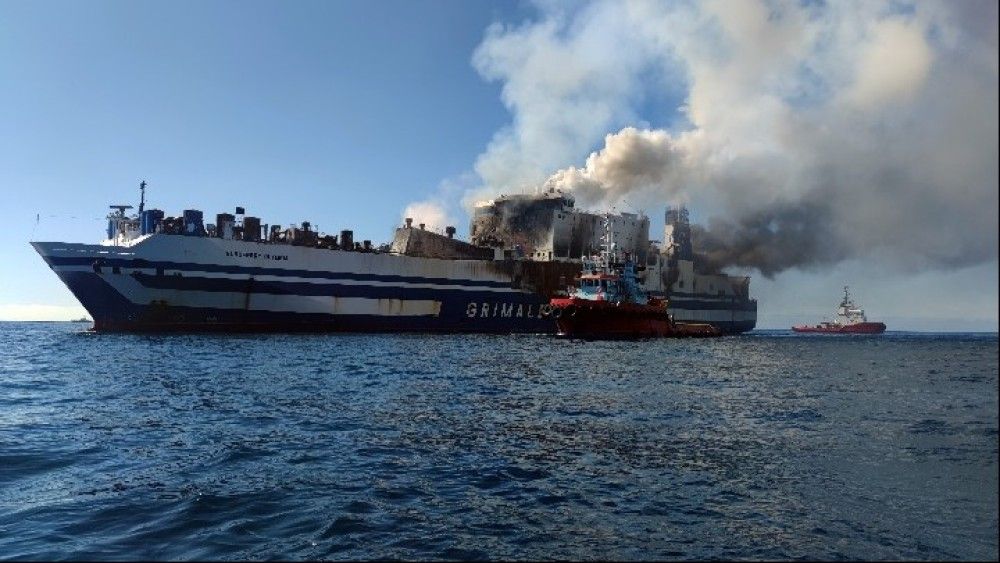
409,222
450,231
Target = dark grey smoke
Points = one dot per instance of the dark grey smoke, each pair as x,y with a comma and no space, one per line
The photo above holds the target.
773,240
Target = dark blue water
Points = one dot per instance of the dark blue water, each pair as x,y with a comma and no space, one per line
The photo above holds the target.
430,447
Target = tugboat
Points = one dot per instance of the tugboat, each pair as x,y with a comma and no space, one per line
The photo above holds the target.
609,302
850,319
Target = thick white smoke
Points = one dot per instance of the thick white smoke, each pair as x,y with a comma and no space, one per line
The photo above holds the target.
812,132
430,213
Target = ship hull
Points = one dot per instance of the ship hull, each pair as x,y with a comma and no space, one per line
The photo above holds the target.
112,312
582,318
172,283
857,328
579,318
731,316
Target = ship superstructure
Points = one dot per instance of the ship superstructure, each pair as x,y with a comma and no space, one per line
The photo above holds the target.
548,226
673,272
159,273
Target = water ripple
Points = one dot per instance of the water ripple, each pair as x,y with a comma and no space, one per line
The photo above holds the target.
479,447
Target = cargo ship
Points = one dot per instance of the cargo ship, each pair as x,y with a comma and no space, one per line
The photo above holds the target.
850,319
162,273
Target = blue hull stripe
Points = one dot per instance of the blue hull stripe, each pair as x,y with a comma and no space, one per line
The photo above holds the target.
255,271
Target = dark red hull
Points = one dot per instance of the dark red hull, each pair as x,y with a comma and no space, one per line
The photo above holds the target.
857,328
601,319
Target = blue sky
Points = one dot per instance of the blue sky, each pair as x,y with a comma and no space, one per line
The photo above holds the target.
341,113
338,112
218,104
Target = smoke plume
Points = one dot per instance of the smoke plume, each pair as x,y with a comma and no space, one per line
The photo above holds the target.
807,133
430,213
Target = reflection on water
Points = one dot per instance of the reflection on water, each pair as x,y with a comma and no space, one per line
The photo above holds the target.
356,446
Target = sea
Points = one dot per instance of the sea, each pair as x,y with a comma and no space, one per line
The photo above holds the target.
769,445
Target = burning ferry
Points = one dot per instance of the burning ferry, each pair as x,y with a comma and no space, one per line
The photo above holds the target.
155,272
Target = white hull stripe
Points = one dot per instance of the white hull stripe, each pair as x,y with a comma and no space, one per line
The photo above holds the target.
140,295
292,279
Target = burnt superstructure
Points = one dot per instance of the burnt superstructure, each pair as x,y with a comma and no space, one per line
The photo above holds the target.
548,226
677,234
695,296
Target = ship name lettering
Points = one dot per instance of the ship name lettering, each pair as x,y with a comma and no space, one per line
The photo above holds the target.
506,310
239,254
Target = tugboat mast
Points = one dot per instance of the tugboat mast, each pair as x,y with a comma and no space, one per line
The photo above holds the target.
607,258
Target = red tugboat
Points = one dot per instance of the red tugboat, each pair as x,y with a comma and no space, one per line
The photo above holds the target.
609,302
850,319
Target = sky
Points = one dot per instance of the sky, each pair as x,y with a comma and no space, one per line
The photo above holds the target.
820,145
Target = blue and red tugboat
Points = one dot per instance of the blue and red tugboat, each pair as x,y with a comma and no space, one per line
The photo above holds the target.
609,302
